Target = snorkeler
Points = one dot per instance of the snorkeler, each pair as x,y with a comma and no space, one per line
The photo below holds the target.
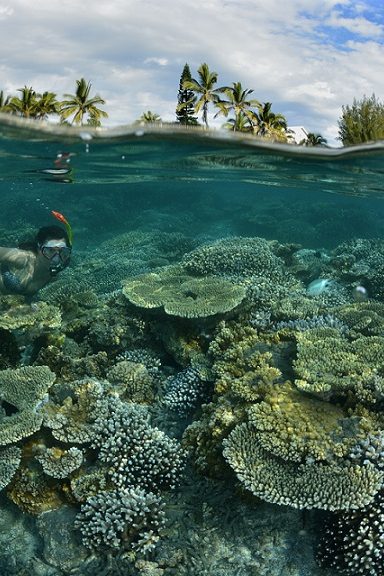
26,269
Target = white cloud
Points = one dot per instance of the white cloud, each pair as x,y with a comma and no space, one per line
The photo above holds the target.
133,52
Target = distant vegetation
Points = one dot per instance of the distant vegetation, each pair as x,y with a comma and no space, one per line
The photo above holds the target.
363,121
79,108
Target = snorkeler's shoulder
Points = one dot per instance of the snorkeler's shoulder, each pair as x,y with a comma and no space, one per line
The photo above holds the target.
16,256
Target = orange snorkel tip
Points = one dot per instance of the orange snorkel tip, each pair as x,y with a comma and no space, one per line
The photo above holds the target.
67,225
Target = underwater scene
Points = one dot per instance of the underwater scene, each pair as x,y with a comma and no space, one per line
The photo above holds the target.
200,391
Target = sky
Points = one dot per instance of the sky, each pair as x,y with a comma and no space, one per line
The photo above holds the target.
307,57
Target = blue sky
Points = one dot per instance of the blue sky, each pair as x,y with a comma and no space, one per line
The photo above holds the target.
307,57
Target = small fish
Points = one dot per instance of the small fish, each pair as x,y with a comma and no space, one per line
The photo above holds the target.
319,286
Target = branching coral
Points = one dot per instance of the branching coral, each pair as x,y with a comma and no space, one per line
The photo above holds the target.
123,519
72,420
353,542
184,391
132,381
136,453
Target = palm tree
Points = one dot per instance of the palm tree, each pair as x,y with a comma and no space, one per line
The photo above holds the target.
268,124
313,139
239,103
204,88
25,105
240,124
45,105
4,101
81,104
149,118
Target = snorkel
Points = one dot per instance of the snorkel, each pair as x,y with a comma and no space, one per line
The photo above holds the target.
67,225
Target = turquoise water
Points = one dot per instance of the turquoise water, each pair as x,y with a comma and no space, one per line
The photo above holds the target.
145,202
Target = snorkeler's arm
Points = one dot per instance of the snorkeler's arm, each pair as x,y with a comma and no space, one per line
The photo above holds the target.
13,257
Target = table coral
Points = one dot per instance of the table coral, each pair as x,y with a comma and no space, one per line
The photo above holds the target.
60,463
10,458
322,486
327,363
25,387
183,295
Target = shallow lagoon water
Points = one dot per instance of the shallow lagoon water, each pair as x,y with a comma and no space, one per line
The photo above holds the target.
165,192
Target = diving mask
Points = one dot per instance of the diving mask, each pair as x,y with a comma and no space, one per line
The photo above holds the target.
56,251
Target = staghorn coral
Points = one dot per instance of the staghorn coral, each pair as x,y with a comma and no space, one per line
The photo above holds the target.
327,362
353,542
25,387
136,453
60,463
301,428
10,458
327,487
183,295
121,520
235,257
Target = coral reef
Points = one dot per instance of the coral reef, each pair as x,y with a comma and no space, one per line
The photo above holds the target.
327,363
25,387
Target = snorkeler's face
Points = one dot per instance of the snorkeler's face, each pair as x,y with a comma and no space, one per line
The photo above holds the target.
56,251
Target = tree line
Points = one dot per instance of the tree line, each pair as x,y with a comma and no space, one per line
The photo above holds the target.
363,121
78,109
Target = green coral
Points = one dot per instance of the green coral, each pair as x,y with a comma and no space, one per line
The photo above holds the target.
183,295
363,318
25,387
313,485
